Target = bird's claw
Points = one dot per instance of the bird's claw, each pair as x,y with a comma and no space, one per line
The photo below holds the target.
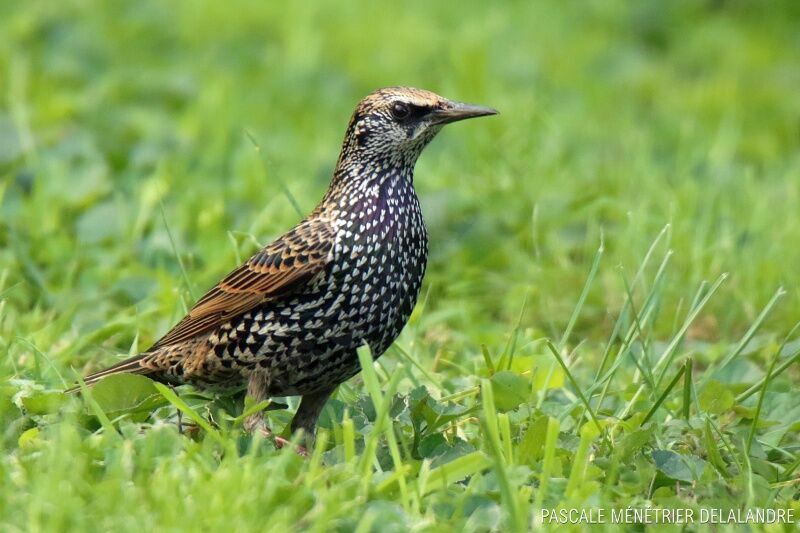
280,442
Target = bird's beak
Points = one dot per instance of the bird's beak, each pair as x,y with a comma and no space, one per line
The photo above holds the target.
455,111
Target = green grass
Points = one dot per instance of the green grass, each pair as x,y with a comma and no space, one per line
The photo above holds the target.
146,147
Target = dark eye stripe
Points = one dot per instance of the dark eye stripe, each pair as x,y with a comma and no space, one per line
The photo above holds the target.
418,111
414,111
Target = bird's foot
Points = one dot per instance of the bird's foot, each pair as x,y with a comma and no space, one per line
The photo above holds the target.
255,424
280,442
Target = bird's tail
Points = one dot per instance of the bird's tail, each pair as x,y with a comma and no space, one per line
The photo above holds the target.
132,365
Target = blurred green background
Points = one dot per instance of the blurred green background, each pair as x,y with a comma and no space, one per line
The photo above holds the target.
616,118
128,183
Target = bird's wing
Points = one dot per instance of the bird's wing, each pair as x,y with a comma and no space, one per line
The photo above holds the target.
279,268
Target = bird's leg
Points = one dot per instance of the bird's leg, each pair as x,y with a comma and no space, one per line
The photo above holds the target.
180,414
257,388
255,422
307,414
258,391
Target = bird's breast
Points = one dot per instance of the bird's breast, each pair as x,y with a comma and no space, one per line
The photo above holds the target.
379,261
384,226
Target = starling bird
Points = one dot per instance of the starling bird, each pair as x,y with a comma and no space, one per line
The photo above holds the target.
289,321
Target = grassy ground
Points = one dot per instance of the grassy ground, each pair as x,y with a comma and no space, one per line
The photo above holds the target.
632,215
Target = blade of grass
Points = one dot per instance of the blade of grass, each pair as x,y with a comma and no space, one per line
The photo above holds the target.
548,461
752,330
511,346
712,451
492,427
38,354
581,459
505,436
281,183
639,276
664,394
441,477
760,403
235,245
348,437
687,388
315,462
574,383
487,358
413,361
251,409
747,474
383,426
175,250
644,369
646,312
193,415
728,446
787,473
669,352
109,428
794,358
639,273
598,255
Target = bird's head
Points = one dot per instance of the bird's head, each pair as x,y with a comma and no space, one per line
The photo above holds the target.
394,124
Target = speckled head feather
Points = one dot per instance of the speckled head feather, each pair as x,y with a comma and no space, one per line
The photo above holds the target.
394,124
290,319
377,100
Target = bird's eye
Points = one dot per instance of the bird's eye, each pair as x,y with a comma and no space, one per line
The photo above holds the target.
400,111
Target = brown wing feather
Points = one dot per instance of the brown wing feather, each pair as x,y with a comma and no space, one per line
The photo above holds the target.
279,268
